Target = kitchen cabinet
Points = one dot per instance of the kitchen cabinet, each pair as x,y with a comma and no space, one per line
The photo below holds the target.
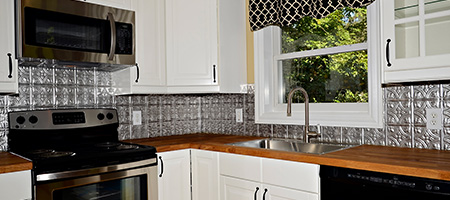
15,185
191,38
415,34
8,66
194,46
247,177
174,180
239,189
149,75
177,174
205,175
122,4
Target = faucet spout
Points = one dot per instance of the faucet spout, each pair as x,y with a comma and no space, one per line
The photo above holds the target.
307,134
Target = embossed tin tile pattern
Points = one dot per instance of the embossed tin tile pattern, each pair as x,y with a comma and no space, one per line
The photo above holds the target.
46,85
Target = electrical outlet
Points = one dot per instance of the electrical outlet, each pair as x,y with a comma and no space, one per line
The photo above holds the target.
239,115
137,117
434,118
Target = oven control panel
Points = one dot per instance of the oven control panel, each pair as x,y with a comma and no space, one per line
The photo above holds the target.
61,119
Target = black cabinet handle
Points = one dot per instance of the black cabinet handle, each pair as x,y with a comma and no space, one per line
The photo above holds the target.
137,73
387,53
264,195
214,74
10,65
256,192
162,167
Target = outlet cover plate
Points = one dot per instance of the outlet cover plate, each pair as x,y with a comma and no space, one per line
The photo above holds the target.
137,117
434,118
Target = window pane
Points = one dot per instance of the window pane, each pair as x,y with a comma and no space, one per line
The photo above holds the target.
338,78
342,27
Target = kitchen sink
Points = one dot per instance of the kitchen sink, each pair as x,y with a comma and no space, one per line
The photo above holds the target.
292,146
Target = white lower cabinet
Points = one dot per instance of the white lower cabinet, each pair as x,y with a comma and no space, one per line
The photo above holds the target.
183,171
239,189
248,177
205,175
208,175
15,185
174,181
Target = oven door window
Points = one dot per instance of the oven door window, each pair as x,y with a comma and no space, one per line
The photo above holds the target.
127,188
64,31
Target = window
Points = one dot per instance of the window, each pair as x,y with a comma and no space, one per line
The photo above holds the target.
334,59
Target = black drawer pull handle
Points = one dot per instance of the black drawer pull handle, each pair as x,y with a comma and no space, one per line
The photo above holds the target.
10,65
214,74
387,53
162,167
137,73
264,195
256,192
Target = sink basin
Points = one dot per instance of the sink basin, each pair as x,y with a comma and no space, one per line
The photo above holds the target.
292,146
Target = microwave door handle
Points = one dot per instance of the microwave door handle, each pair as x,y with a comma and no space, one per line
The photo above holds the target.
113,36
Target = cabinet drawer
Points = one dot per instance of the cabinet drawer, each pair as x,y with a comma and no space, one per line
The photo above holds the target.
239,166
295,175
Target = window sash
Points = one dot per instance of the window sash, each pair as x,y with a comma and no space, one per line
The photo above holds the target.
269,110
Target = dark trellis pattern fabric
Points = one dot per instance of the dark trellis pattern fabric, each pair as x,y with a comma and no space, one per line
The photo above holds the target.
284,12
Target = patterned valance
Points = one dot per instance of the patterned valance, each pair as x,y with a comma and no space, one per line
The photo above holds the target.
284,12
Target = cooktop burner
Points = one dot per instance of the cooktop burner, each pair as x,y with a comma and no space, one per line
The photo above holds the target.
55,154
127,146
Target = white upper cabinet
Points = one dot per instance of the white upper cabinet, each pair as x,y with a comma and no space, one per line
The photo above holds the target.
195,46
191,35
8,62
149,75
416,37
123,4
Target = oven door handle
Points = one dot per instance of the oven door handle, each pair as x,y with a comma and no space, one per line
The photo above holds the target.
162,167
94,171
113,36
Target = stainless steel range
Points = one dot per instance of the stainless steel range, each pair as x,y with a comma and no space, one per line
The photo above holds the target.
76,154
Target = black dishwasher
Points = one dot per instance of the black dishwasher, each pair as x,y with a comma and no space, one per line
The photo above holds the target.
350,184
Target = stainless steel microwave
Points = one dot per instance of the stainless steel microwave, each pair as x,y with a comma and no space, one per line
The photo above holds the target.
75,31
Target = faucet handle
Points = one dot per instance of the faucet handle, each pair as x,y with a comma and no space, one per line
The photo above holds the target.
318,129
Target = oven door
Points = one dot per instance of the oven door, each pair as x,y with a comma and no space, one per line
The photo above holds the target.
129,183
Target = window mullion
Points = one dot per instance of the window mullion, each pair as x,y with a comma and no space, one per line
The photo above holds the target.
321,52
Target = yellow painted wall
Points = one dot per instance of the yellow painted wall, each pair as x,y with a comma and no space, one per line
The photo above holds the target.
250,53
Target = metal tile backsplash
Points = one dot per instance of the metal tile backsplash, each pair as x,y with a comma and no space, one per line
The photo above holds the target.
48,85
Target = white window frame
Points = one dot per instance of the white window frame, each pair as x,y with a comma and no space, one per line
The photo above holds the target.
269,111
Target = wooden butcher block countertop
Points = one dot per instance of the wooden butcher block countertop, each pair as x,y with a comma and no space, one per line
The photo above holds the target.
424,163
11,163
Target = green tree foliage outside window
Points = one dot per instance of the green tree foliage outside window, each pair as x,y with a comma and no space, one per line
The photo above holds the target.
338,78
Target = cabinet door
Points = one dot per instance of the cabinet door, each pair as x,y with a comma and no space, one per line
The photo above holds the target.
150,52
240,166
16,185
174,180
123,4
191,31
8,62
238,189
415,34
280,193
289,174
205,179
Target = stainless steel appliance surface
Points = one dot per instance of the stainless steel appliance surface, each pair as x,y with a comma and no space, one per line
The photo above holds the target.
75,31
76,154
